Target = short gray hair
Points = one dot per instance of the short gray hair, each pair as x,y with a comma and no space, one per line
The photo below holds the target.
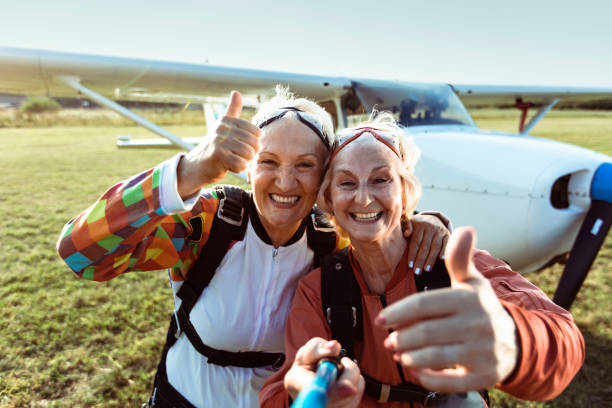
286,99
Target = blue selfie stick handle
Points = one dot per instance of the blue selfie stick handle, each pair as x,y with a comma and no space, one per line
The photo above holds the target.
315,394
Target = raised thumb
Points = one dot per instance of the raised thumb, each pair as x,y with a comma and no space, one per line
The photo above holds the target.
234,109
458,256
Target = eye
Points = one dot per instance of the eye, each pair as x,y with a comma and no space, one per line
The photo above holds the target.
346,184
305,165
380,180
267,162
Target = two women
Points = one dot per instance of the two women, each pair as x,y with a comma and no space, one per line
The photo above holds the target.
490,328
235,257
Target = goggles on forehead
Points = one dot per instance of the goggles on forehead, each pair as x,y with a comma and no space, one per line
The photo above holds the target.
304,117
346,136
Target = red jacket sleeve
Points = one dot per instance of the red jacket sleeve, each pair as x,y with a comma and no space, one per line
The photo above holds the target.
551,345
305,321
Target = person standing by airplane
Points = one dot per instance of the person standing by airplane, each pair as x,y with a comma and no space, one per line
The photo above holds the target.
483,325
234,257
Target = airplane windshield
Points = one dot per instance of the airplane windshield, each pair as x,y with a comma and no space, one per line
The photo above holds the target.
414,104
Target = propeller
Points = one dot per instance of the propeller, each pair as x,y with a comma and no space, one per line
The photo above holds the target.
591,236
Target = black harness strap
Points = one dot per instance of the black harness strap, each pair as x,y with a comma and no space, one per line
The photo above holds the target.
341,299
230,225
342,306
320,235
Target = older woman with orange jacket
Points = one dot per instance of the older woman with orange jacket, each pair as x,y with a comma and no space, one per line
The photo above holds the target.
490,328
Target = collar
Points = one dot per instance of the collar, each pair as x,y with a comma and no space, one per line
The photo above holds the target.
263,235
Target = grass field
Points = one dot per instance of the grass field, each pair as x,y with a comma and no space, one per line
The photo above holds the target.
71,343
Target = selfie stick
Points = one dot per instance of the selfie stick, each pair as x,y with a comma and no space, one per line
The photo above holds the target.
315,394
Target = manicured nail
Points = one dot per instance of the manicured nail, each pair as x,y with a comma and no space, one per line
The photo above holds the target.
380,320
427,268
389,342
417,271
410,264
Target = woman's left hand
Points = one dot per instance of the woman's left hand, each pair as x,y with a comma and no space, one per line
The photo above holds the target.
428,236
457,339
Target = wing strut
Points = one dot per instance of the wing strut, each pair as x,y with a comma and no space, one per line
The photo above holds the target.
75,84
524,107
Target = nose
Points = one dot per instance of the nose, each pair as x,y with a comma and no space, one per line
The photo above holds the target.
362,195
286,179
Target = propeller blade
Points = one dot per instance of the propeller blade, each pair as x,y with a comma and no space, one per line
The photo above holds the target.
591,236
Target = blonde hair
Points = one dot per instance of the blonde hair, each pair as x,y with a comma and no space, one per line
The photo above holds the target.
286,99
410,154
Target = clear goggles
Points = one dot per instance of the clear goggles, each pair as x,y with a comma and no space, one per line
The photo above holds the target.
304,117
346,136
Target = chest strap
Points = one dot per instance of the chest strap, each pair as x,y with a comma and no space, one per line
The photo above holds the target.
229,225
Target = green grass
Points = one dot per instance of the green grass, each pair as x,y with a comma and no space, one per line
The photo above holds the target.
68,343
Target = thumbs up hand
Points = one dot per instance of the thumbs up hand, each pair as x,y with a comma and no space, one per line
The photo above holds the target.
231,145
456,339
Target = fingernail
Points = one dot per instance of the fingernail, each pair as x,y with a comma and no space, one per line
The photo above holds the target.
329,344
380,320
388,343
427,268
417,271
410,264
442,256
396,357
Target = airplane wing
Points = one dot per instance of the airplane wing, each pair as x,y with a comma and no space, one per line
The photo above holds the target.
38,72
496,95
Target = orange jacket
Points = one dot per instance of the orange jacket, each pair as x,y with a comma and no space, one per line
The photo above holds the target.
551,345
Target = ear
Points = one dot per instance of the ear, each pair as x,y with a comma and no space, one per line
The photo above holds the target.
404,196
249,171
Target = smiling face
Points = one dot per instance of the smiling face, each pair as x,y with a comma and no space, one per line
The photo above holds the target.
366,195
286,175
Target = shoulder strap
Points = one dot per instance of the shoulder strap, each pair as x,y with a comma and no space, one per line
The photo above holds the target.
341,297
341,300
229,224
320,235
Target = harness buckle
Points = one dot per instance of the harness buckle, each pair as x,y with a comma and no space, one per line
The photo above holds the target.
353,312
431,397
226,218
385,390
279,361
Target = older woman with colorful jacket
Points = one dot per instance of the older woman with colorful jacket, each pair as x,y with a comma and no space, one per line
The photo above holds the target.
413,346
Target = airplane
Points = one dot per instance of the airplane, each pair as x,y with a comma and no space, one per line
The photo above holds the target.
533,201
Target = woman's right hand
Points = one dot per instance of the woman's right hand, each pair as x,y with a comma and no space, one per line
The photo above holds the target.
346,391
230,147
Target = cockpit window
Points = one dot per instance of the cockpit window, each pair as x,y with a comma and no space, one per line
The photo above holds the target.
414,104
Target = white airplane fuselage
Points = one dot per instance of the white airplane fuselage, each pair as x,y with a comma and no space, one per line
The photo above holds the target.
501,184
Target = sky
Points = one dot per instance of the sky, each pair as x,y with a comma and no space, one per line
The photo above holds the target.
518,42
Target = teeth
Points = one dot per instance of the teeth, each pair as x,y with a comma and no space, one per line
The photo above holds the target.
366,216
283,199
